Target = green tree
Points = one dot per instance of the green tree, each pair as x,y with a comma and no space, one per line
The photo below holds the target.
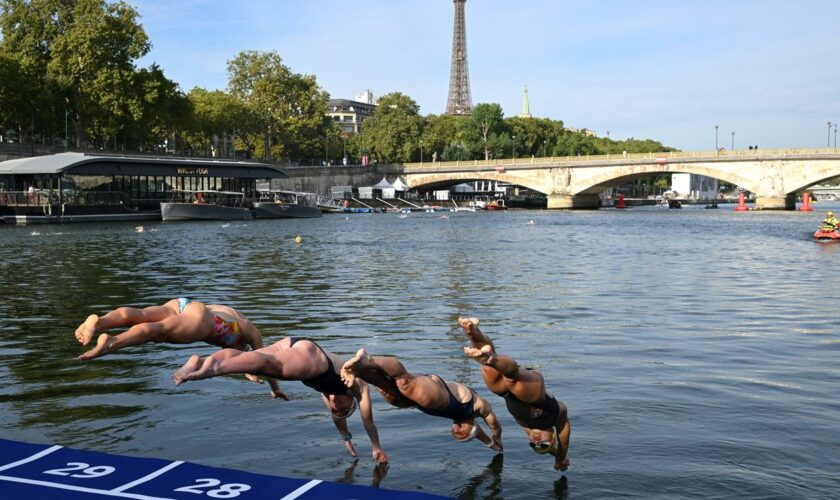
87,50
485,126
214,114
393,133
439,131
288,109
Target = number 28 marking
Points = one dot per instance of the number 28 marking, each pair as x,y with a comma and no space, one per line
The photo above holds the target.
87,472
224,491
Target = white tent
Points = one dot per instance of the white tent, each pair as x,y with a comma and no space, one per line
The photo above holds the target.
399,185
388,190
383,184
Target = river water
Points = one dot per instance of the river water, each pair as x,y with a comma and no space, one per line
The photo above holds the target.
697,350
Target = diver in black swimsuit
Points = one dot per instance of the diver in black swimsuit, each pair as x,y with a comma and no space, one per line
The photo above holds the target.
296,359
428,393
543,417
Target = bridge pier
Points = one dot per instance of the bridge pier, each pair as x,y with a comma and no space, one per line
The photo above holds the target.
564,201
787,202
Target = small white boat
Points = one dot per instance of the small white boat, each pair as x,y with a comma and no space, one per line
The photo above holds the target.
205,205
287,204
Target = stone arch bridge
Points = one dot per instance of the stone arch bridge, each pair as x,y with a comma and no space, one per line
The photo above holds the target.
773,175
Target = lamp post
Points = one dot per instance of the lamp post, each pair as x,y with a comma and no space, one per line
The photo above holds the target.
543,148
828,142
733,141
326,149
608,142
716,138
66,140
835,135
514,147
421,150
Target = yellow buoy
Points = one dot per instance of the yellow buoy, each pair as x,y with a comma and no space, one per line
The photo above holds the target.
298,239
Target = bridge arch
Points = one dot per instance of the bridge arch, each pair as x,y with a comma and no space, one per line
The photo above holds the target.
606,178
429,181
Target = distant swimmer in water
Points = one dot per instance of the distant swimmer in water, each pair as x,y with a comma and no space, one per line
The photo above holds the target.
428,393
296,359
139,229
543,417
179,321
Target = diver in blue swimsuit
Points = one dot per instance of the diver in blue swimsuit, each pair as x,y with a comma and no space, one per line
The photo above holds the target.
428,393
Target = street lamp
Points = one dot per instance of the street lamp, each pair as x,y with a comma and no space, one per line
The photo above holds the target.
835,135
514,147
733,140
326,149
828,143
716,138
543,148
66,114
421,150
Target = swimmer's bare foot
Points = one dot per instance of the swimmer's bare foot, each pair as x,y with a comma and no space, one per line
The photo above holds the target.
357,362
103,347
254,378
86,331
467,324
209,368
477,338
190,366
485,355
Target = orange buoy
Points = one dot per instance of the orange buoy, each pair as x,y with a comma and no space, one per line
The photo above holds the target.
806,202
741,206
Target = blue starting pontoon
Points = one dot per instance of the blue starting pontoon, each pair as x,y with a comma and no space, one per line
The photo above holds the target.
43,471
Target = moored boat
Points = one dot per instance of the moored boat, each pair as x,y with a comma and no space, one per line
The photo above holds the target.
287,204
495,205
205,205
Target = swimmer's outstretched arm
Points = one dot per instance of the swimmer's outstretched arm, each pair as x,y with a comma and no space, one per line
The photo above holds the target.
483,408
366,412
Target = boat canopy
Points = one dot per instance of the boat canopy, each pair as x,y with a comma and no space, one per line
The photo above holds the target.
96,164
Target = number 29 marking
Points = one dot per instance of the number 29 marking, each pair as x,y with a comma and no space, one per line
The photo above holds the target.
87,472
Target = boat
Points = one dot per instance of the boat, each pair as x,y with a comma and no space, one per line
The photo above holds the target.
287,205
826,233
495,205
205,205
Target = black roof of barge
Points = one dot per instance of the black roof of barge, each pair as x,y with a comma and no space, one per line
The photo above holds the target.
96,164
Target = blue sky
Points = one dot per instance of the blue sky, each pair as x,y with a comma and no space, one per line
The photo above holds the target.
669,70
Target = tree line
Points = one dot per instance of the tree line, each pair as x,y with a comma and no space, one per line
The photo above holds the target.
69,72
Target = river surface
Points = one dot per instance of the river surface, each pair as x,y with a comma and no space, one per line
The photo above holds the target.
697,350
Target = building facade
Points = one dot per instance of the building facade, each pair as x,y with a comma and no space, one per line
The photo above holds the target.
351,115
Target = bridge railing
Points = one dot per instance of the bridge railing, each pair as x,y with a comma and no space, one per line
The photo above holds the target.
630,157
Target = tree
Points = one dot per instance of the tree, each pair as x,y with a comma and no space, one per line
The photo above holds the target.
485,125
439,131
392,134
288,109
87,50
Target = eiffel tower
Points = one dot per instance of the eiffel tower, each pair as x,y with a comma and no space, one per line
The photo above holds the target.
460,101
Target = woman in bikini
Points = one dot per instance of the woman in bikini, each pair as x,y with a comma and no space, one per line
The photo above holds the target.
543,418
428,393
178,321
294,358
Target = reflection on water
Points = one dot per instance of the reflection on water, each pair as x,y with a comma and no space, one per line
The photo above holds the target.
687,344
